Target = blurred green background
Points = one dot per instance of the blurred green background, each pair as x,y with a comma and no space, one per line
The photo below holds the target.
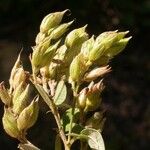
126,98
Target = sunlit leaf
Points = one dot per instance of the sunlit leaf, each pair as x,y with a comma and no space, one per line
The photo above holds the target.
94,139
60,93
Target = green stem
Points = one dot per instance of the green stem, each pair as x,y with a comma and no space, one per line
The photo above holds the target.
75,91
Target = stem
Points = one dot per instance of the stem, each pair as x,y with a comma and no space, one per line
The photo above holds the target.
55,112
75,90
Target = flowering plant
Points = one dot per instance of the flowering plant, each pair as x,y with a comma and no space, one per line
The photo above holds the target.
67,72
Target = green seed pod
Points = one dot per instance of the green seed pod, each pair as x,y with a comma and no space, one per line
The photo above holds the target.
18,91
117,47
81,101
87,47
77,68
21,101
96,52
76,37
42,56
28,116
13,71
4,95
40,38
93,101
60,30
10,123
19,76
52,20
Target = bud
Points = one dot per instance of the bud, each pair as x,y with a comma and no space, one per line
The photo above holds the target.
95,73
93,101
10,123
96,52
21,101
77,68
13,71
60,30
28,116
87,47
19,76
76,37
117,47
42,56
81,101
4,95
18,91
52,20
40,38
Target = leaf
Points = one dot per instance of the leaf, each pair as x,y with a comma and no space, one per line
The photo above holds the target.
60,93
27,146
43,94
58,144
94,139
67,117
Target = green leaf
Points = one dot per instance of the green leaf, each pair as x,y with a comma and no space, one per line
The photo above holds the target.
94,139
44,95
58,144
60,93
67,117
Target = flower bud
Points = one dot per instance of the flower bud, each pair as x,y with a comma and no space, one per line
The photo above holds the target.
19,76
13,71
96,52
4,95
77,68
18,91
60,30
93,101
95,73
42,56
28,116
51,20
102,61
21,101
117,47
81,101
87,47
40,38
10,123
76,37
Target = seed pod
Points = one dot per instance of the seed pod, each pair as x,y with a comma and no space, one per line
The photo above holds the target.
60,30
28,116
81,101
4,95
87,47
40,38
21,101
117,47
42,56
52,20
93,101
95,73
19,76
76,37
77,68
10,123
18,91
13,71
